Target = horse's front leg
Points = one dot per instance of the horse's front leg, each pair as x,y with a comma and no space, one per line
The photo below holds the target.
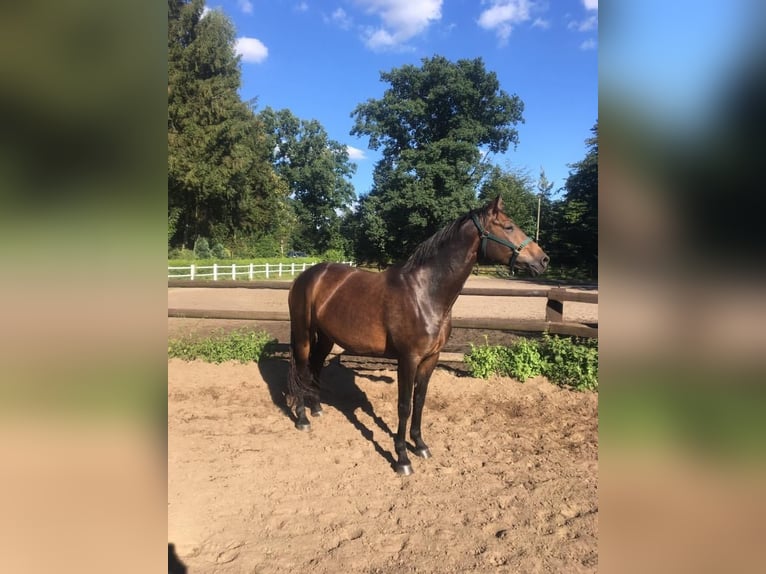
422,377
406,376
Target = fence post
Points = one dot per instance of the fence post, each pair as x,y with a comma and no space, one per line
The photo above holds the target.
215,271
250,275
292,268
267,270
233,270
280,269
191,272
554,310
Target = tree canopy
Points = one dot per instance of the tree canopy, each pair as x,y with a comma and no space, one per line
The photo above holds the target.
316,170
575,240
220,181
435,124
260,183
517,191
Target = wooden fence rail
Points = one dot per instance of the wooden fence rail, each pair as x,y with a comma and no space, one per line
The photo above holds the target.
554,311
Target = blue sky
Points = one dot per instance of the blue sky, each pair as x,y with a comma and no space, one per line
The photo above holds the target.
322,59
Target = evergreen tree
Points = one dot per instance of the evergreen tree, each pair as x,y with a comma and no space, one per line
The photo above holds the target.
576,244
220,181
544,188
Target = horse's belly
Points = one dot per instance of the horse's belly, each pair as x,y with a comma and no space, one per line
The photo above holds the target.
354,329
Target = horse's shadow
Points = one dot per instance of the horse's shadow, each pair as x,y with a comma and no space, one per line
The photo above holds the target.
338,389
175,566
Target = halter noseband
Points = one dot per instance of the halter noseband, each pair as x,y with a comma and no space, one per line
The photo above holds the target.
485,235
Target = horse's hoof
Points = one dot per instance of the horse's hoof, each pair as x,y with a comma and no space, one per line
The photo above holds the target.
422,452
403,469
303,425
317,412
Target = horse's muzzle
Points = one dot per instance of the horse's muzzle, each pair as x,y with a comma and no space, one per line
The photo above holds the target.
536,266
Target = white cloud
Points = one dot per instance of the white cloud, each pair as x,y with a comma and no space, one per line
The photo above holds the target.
590,4
342,19
589,44
590,23
380,40
402,20
205,12
246,6
541,23
252,50
302,7
503,15
354,153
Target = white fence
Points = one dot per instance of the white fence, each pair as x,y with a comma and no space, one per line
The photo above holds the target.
249,271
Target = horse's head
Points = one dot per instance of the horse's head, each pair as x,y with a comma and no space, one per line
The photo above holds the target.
504,242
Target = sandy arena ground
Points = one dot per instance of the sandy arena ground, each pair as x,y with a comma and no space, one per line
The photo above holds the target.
511,487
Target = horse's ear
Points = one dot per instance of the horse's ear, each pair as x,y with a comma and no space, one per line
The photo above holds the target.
497,205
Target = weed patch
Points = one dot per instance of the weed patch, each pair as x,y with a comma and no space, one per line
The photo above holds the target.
241,345
567,362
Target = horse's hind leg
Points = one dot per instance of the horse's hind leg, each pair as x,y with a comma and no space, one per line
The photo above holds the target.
319,351
299,378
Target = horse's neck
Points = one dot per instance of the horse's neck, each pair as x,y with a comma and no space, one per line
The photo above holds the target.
451,268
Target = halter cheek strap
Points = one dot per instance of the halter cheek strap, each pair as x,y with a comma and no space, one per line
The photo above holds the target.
486,235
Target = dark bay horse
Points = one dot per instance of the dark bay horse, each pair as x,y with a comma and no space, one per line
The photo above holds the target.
403,313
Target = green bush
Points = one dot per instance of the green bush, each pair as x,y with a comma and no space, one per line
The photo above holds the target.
202,248
486,360
241,345
333,256
180,254
564,361
525,360
522,360
220,252
571,362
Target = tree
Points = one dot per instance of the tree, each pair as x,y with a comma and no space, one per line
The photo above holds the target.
577,241
517,190
316,170
220,181
436,125
544,188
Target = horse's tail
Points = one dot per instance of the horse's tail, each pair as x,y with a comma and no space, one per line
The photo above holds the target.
300,382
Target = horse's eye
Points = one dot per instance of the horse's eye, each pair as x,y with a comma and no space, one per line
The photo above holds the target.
509,227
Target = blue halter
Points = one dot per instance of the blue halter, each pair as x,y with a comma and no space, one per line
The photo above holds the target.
485,235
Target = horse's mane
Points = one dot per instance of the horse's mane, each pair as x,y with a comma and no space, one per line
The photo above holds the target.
426,250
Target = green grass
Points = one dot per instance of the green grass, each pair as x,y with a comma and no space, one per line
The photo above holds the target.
242,345
567,362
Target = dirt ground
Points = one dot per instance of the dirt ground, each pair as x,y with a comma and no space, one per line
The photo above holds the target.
511,486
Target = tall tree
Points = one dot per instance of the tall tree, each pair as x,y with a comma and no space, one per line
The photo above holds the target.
220,181
578,213
435,124
544,188
316,170
517,190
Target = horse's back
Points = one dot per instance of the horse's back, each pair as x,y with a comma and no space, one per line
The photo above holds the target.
345,303
316,278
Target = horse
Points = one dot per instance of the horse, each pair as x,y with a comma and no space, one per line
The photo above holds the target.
402,313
